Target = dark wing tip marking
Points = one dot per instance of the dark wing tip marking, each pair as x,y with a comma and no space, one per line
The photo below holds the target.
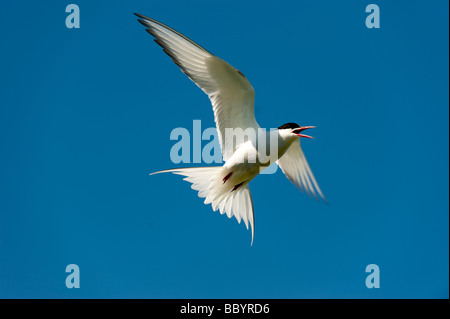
167,50
140,16
144,21
241,73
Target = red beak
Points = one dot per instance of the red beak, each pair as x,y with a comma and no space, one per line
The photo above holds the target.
299,130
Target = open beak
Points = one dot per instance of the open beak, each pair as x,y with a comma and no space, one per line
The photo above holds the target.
301,129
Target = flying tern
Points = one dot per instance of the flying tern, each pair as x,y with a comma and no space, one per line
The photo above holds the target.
226,187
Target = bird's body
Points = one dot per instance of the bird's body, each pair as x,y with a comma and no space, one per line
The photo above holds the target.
246,148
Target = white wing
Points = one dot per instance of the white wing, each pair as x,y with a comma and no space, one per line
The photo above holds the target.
294,165
231,94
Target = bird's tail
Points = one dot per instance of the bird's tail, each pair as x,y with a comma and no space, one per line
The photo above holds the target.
209,182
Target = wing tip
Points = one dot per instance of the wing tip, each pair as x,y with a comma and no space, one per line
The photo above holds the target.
142,22
140,15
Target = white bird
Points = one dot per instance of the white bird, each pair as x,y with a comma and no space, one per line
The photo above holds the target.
232,96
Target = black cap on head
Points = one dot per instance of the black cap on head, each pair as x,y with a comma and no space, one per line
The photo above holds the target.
289,125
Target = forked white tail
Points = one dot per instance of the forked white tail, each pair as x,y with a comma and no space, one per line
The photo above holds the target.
209,182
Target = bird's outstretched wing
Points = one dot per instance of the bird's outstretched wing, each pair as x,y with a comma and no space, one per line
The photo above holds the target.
294,165
231,94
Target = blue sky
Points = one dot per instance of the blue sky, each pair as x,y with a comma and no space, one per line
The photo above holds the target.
86,115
